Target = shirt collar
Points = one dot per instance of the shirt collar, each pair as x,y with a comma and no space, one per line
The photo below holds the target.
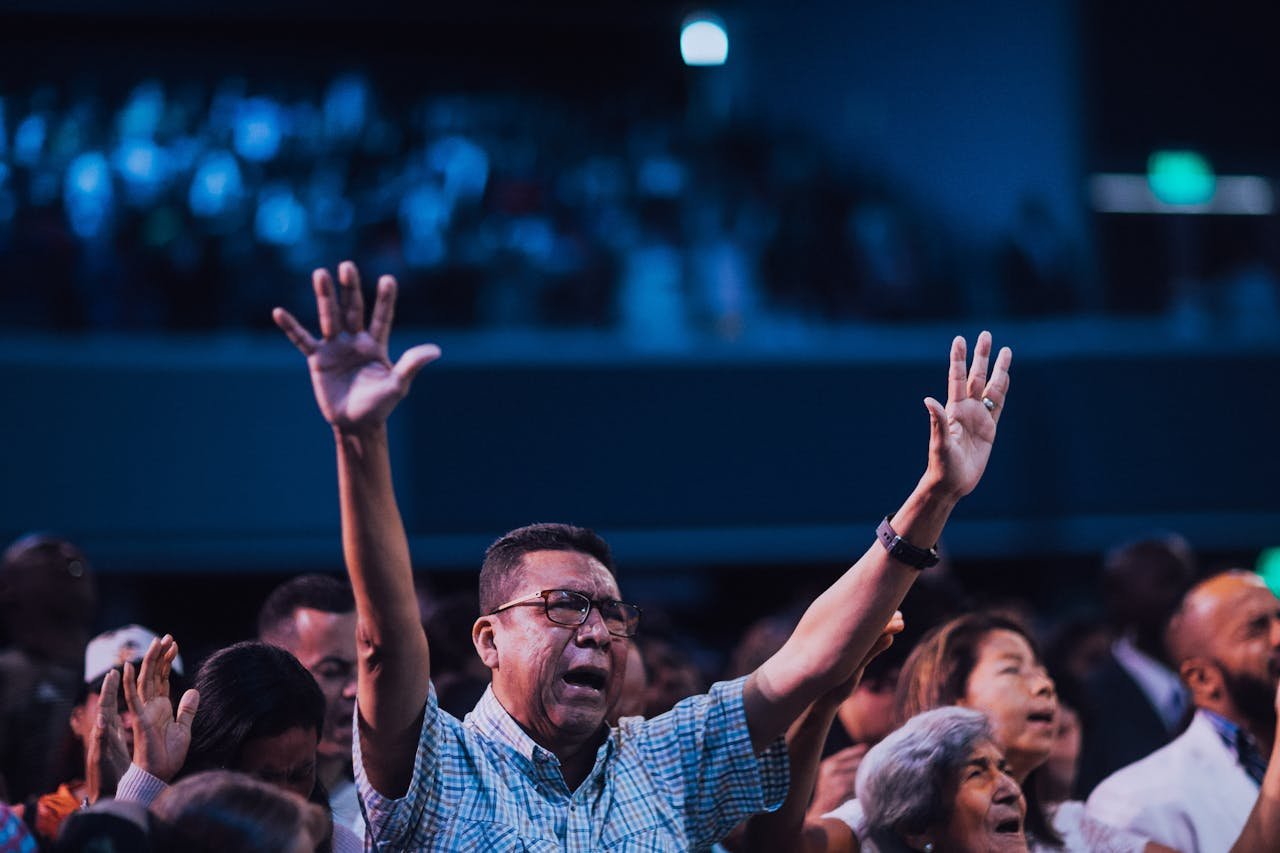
1160,684
490,720
1241,744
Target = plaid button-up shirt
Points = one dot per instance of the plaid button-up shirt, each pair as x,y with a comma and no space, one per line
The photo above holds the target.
679,781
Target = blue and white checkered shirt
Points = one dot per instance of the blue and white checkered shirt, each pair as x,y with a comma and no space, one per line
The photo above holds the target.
679,781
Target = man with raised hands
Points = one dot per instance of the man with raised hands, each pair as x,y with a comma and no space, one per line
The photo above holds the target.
535,765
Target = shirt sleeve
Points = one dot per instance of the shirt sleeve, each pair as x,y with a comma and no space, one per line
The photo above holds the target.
139,786
1080,831
393,821
703,747
851,812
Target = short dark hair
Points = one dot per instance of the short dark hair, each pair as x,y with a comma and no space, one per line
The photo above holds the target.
249,690
314,592
505,555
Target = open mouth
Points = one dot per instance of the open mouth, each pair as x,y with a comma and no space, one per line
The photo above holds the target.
1041,717
1010,826
591,679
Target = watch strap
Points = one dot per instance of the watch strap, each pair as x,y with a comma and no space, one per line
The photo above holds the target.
902,550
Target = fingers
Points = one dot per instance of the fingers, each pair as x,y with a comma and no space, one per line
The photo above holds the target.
998,387
131,700
294,331
384,309
146,673
978,371
108,701
353,314
957,374
896,624
166,663
937,422
414,360
187,707
326,304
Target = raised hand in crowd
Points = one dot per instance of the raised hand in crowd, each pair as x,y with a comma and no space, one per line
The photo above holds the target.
842,624
161,736
356,387
106,753
356,384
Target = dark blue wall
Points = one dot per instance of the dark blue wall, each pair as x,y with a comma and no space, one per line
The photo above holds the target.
210,455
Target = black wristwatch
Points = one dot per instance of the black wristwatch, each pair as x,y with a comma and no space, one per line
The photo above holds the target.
902,550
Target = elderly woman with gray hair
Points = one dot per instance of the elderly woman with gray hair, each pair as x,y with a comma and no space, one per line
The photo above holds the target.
939,784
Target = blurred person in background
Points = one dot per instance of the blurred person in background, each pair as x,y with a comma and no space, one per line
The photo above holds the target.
1196,793
253,708
459,676
14,837
1134,703
103,752
672,674
635,684
222,810
48,599
208,812
313,617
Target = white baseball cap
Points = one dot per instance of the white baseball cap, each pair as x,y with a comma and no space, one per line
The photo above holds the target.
116,648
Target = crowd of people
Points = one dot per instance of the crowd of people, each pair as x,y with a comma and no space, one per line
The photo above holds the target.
881,715
177,205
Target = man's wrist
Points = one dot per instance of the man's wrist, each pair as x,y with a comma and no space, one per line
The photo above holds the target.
933,491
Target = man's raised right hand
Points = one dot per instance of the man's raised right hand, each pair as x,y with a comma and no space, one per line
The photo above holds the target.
356,384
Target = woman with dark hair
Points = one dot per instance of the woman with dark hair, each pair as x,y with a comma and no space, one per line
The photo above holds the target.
259,712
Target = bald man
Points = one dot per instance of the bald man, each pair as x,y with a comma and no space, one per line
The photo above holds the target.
1196,793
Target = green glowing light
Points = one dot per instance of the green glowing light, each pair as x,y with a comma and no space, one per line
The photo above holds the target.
1180,177
1269,568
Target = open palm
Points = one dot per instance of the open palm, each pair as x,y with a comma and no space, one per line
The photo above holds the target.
355,382
161,736
965,429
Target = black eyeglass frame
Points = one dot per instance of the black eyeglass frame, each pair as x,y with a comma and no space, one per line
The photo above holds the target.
585,612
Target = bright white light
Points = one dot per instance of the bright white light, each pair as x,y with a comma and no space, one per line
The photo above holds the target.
703,41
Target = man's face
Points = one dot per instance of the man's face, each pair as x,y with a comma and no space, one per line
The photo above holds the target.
559,682
325,643
1246,647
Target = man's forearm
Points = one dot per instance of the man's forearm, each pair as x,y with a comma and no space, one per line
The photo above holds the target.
842,624
390,642
781,830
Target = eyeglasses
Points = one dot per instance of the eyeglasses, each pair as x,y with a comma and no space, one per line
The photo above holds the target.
566,607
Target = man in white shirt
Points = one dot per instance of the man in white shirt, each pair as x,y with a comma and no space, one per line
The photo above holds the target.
1196,793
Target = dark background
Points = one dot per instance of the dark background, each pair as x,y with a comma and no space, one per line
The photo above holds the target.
182,449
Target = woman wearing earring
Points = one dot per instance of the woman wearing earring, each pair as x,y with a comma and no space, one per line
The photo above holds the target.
940,784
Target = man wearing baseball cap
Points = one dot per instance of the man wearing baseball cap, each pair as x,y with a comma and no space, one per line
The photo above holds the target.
106,751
